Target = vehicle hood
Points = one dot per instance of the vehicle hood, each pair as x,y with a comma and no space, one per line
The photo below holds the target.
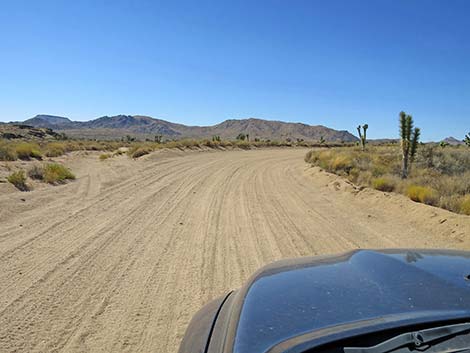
291,298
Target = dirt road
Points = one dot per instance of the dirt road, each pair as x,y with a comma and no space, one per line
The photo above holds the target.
120,259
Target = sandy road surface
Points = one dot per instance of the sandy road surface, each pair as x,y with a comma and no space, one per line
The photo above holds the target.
119,260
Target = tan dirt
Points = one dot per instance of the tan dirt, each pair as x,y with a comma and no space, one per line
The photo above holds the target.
120,259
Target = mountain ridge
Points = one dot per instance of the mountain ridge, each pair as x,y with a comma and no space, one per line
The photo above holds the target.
145,126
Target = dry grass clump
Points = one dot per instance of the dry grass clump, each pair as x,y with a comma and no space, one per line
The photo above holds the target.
139,151
52,173
18,179
105,156
36,172
7,152
55,149
55,173
383,184
422,194
465,205
28,150
439,177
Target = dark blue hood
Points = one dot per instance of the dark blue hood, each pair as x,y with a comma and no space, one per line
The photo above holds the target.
291,298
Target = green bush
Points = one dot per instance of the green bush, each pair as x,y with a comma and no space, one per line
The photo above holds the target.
19,180
56,173
383,184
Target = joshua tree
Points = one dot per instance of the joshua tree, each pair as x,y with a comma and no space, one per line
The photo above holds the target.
322,140
409,142
467,139
443,144
241,136
158,138
363,136
216,138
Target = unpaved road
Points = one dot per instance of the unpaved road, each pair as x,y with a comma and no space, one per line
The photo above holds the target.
120,259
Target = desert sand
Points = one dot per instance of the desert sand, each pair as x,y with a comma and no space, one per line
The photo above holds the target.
120,259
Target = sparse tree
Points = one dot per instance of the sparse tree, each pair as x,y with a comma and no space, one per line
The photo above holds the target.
467,139
322,140
248,137
216,138
409,142
363,135
158,138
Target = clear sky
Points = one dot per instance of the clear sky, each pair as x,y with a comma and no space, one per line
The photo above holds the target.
336,63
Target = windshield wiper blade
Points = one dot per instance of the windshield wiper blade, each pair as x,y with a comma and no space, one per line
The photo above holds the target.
414,339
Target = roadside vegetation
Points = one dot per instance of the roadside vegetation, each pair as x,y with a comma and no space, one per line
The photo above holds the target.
41,155
12,150
426,173
18,179
51,173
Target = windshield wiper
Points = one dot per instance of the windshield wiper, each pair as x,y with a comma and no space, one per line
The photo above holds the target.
414,339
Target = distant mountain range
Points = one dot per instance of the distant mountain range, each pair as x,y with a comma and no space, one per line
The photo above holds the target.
453,141
111,127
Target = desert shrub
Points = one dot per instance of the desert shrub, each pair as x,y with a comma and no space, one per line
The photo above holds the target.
56,173
322,159
189,143
26,151
310,157
211,143
452,203
7,153
55,149
465,205
449,161
105,156
138,151
18,179
439,177
383,184
244,145
422,194
36,172
365,178
379,170
341,163
119,152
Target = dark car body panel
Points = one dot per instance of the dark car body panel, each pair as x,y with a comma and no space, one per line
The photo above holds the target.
200,328
293,305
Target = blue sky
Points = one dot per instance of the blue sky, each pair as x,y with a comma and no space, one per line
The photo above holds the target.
336,63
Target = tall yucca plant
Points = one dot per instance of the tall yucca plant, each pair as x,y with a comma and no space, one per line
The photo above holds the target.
409,142
363,136
467,139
